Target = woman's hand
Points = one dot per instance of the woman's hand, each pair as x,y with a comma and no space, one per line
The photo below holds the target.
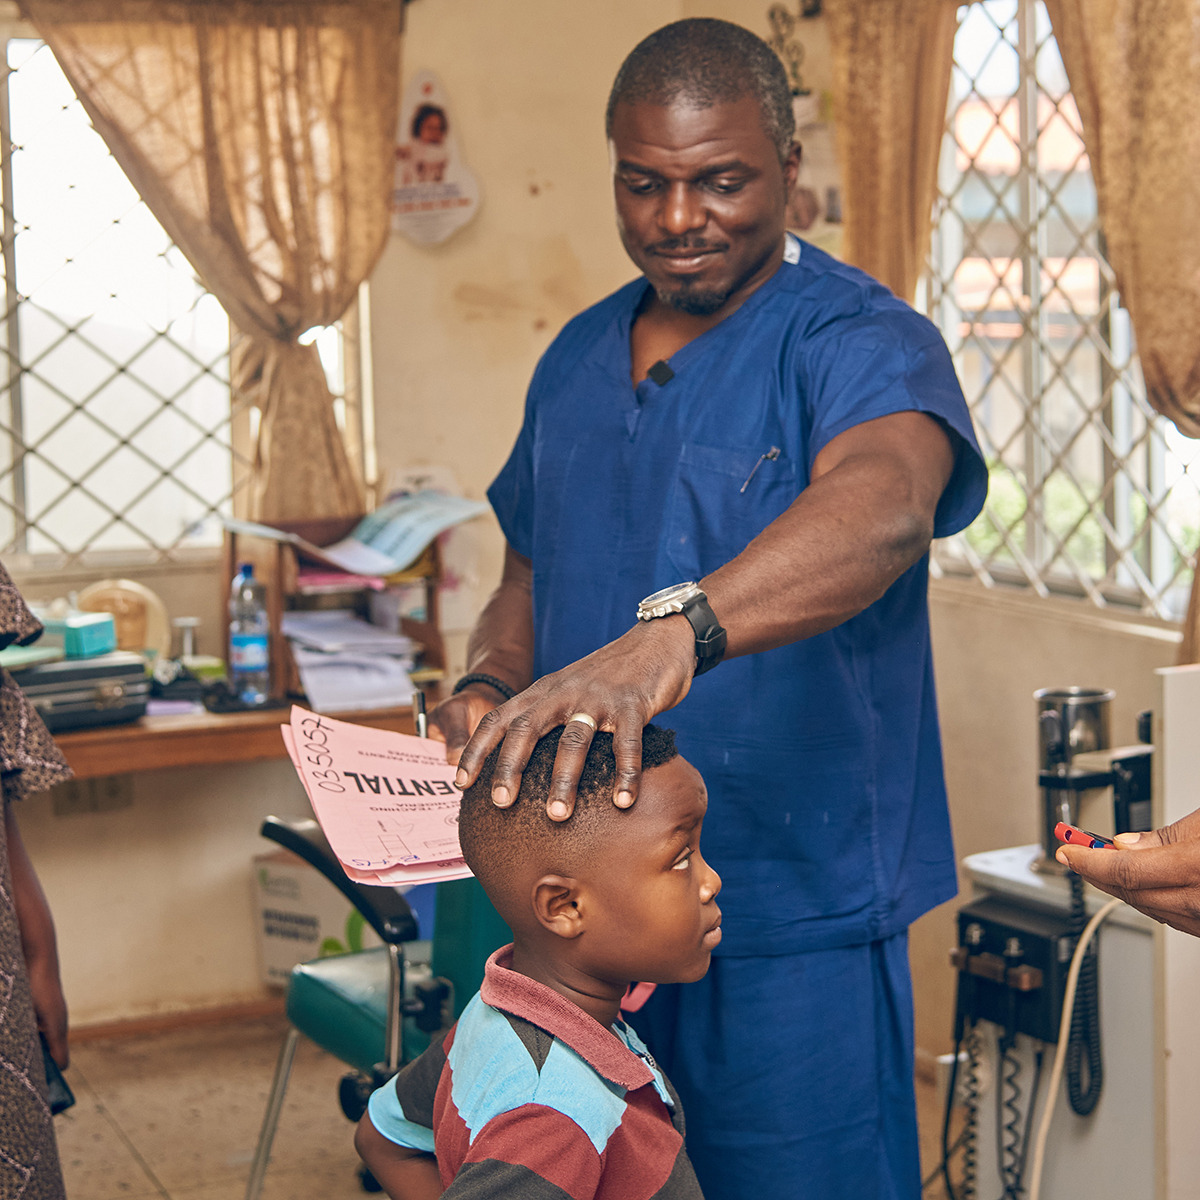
1158,873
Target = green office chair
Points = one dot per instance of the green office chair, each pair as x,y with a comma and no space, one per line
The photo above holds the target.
351,1005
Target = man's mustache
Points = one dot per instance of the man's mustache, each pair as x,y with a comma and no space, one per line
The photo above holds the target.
686,246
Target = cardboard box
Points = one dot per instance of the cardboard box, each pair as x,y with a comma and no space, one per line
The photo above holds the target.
301,915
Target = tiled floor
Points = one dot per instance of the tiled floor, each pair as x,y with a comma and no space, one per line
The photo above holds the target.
176,1115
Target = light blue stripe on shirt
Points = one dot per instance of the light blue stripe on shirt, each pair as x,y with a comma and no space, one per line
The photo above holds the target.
388,1117
493,1073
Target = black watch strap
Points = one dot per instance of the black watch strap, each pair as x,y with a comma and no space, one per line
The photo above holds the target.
710,636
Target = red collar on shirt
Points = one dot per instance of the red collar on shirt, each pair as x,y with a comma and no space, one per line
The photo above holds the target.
514,993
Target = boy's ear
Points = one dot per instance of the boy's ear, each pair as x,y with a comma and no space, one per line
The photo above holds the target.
556,906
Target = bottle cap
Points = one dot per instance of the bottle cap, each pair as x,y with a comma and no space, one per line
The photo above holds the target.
246,569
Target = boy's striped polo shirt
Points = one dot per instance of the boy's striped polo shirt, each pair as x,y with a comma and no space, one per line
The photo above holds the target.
529,1096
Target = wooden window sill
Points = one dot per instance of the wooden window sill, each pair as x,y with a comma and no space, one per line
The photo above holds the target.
196,740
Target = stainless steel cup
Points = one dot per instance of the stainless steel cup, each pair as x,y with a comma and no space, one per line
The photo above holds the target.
1071,721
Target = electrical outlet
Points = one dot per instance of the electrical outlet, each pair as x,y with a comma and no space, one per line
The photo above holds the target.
106,794
111,792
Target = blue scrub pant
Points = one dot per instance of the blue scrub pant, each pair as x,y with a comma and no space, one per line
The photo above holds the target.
796,1073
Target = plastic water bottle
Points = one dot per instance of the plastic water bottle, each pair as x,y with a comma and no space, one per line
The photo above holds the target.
249,638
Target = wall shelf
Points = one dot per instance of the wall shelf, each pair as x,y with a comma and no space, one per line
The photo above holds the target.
278,563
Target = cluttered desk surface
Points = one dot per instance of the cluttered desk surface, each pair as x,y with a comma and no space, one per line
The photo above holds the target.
91,677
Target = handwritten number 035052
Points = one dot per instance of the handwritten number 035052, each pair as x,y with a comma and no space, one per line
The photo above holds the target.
315,752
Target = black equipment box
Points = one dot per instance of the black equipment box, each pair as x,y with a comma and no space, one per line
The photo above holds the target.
78,693
993,938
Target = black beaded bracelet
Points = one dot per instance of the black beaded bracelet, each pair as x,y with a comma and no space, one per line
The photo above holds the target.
491,680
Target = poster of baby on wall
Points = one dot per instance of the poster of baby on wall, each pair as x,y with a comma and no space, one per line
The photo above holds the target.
434,192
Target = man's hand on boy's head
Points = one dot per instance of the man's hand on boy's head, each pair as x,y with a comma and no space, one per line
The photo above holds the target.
458,716
622,687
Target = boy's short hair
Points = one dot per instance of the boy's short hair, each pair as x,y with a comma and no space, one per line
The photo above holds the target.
498,843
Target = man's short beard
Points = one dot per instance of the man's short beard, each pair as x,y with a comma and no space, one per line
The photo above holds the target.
696,302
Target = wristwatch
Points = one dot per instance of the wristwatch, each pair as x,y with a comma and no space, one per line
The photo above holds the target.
688,600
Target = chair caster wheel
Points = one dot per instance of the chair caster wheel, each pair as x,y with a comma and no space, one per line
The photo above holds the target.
367,1181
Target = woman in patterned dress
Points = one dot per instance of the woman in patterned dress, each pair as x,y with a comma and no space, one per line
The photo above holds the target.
31,995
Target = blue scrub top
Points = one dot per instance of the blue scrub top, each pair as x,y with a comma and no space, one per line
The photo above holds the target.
827,812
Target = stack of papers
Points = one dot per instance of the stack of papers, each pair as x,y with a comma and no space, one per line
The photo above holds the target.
385,541
385,801
335,630
347,663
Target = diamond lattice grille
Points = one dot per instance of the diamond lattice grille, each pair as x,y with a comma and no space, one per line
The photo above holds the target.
1090,491
116,428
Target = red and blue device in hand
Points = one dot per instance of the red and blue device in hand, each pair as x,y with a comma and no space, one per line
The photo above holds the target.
1081,837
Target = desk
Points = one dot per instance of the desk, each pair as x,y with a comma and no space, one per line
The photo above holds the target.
196,740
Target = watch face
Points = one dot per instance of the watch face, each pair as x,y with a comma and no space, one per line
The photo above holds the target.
677,591
668,601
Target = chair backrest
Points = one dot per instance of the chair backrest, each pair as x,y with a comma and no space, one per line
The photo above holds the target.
385,909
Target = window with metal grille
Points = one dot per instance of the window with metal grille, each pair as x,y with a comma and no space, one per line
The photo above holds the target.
118,436
1091,492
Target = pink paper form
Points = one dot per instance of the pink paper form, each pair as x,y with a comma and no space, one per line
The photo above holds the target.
385,800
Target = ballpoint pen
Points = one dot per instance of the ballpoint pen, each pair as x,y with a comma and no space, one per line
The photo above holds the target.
768,456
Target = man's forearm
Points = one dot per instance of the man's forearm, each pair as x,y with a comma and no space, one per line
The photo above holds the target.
844,541
813,568
501,644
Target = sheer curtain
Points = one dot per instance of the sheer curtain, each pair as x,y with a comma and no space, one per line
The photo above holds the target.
891,81
261,135
1132,65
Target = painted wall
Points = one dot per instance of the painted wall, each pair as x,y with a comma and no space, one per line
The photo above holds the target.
154,902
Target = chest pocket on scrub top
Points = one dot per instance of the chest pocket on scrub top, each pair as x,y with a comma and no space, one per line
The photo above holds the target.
723,497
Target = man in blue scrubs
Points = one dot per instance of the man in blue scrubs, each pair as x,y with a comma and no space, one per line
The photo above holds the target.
771,439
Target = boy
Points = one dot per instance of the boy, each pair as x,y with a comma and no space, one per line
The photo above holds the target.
540,1090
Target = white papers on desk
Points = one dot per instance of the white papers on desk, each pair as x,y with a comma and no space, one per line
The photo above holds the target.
345,682
339,630
346,663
